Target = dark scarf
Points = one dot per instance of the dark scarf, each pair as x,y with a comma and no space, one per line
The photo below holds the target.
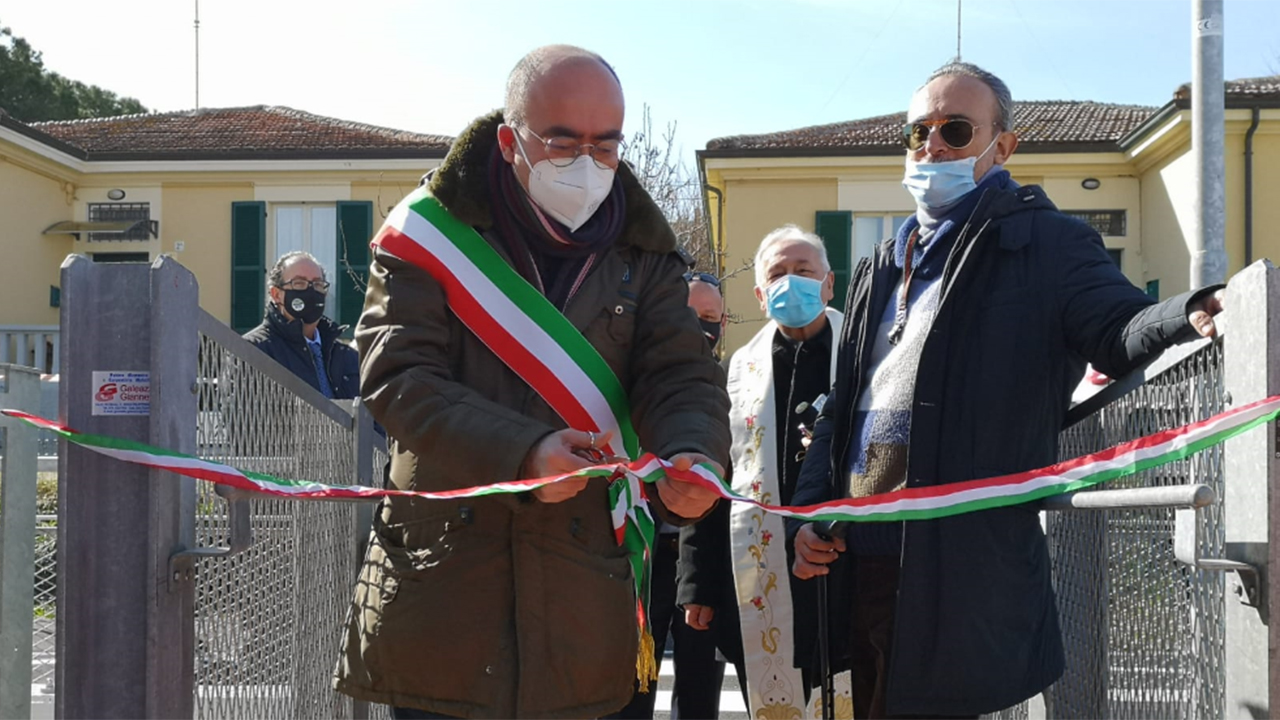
927,259
544,251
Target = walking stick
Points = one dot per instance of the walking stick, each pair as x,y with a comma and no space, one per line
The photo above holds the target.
824,653
826,530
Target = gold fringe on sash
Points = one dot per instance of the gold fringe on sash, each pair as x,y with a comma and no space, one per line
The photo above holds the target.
646,667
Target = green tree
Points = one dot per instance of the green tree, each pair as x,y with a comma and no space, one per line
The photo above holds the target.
30,93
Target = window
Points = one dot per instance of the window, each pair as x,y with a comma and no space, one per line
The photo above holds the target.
870,229
121,212
120,257
336,233
1117,255
1105,222
310,228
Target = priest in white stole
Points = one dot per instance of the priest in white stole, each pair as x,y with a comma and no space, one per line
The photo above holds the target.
735,568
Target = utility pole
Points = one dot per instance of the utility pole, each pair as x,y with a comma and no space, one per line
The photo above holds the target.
959,7
1208,254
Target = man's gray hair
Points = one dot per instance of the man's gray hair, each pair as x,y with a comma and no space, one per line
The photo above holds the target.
535,65
275,275
1004,98
784,234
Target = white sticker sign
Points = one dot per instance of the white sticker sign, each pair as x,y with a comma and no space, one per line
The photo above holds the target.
121,393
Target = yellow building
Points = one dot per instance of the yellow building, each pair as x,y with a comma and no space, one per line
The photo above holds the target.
1127,170
225,191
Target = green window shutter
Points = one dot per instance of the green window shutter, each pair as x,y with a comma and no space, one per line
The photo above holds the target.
835,227
355,229
248,264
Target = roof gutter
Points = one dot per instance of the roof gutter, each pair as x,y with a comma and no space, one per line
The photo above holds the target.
1248,185
1158,118
717,242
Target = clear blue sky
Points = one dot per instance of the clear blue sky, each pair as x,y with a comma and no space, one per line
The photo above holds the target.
717,67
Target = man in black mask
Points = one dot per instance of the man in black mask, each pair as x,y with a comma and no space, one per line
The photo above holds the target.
296,334
698,674
705,300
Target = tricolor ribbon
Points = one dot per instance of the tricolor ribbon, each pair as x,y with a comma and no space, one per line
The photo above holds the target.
920,503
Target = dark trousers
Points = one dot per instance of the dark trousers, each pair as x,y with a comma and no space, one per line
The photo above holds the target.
698,674
875,594
875,598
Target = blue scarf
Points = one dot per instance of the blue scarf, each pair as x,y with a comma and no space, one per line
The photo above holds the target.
927,260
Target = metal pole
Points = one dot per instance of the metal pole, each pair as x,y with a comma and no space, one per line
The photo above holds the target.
1251,481
175,353
1209,255
363,436
197,54
124,628
19,390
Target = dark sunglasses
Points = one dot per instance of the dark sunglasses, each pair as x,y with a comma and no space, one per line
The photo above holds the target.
956,133
707,278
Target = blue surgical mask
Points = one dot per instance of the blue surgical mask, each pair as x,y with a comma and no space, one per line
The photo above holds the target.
939,185
794,301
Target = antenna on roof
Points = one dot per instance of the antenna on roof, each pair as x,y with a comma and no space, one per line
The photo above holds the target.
197,54
959,6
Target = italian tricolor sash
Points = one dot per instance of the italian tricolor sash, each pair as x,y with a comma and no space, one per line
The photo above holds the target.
539,344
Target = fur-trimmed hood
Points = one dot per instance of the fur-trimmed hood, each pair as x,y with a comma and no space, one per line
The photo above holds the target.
461,185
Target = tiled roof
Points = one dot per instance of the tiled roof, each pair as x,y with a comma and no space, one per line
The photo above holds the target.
257,132
1041,123
1261,87
1044,125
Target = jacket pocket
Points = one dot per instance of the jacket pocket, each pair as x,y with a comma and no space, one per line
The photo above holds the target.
589,633
437,629
619,328
621,320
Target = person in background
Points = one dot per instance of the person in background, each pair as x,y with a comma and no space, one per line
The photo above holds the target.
734,579
698,674
296,333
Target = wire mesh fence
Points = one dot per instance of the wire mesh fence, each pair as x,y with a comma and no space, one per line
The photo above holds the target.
1144,633
268,619
45,597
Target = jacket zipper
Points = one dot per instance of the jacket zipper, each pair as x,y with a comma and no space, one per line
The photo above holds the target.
856,364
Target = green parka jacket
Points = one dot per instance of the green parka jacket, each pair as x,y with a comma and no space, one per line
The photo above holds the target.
505,606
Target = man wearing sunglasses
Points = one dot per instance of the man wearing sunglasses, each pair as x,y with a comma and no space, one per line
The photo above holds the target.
296,333
966,334
524,605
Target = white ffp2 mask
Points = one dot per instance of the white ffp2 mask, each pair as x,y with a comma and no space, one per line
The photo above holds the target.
570,194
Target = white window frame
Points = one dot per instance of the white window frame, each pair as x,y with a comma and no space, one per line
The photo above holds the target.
864,246
317,221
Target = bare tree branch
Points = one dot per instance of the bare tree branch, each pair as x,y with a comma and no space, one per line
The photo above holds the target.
655,161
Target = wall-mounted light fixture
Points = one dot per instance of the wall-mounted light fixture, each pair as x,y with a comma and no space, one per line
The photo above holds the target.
1091,183
115,194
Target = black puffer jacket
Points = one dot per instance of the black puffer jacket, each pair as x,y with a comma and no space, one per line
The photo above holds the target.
284,342
1029,296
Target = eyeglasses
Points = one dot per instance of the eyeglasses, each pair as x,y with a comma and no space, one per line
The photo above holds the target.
562,151
956,133
303,284
707,278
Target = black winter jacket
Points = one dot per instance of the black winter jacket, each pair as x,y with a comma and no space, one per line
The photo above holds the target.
1029,296
284,342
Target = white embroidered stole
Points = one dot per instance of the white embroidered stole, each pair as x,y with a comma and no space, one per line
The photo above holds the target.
761,575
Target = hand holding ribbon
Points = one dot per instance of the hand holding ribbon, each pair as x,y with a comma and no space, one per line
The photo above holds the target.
684,498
